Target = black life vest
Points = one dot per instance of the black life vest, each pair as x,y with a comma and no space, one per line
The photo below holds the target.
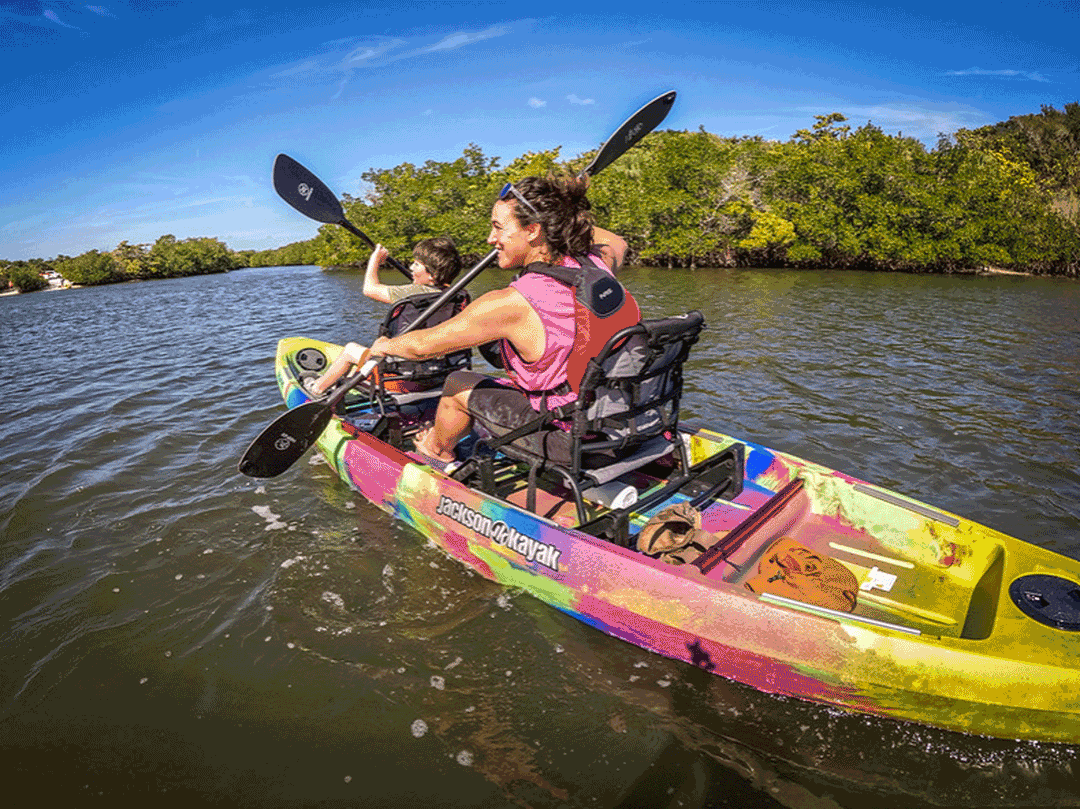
602,307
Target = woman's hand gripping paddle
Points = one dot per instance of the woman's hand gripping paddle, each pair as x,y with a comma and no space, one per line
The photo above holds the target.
285,441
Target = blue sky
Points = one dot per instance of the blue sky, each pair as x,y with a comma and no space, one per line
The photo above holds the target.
129,119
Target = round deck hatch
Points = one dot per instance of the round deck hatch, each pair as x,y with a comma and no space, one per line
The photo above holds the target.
1050,600
311,359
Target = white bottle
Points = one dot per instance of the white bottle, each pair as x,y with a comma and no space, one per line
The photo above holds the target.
613,494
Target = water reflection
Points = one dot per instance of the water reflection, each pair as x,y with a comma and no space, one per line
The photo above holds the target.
171,628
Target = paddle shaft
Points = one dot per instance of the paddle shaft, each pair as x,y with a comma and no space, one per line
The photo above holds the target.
397,265
281,444
354,380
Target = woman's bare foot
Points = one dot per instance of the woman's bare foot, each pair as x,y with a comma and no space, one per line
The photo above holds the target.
420,443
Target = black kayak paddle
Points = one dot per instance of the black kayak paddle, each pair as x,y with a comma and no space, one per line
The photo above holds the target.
308,194
285,441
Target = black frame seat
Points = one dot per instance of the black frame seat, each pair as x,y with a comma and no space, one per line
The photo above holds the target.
431,373
625,418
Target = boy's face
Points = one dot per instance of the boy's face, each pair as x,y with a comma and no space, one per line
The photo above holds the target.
420,274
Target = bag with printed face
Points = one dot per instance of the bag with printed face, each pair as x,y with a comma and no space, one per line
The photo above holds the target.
794,571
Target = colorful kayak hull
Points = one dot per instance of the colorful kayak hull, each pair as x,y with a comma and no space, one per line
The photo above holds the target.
936,638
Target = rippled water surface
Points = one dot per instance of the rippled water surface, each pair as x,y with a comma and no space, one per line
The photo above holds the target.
177,634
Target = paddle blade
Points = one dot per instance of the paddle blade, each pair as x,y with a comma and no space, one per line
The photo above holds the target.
637,126
282,444
306,192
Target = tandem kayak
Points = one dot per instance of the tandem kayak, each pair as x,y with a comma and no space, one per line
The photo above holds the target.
948,623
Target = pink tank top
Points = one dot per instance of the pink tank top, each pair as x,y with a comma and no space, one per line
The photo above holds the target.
553,302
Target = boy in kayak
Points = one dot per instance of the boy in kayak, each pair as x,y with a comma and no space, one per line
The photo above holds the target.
541,225
436,263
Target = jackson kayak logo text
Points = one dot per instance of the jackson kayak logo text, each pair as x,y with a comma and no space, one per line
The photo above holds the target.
500,532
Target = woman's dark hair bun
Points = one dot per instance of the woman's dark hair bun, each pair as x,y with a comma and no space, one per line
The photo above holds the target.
564,212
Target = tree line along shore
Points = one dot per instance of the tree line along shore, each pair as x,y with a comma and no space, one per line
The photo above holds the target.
1004,197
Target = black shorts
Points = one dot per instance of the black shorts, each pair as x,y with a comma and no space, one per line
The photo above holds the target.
499,409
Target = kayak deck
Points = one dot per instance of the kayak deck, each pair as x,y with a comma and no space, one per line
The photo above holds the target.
943,630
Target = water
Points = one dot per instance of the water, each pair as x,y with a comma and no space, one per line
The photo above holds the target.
177,633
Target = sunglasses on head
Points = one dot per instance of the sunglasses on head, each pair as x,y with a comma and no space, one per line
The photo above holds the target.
509,190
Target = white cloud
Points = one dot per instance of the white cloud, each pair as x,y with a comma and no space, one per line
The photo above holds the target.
51,15
537,103
454,41
370,53
101,11
1008,74
924,122
340,59
573,99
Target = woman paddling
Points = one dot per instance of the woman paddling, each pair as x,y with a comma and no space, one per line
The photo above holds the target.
541,224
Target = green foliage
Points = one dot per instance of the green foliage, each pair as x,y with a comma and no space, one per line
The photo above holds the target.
1048,142
25,276
854,199
1049,145
1006,195
831,196
90,268
291,255
770,234
198,256
683,197
406,204
133,260
866,199
167,258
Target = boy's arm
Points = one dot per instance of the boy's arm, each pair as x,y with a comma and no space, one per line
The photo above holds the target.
373,287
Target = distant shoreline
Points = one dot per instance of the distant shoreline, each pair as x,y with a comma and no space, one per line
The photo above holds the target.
986,272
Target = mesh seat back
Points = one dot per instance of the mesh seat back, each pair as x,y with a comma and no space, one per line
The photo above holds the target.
631,391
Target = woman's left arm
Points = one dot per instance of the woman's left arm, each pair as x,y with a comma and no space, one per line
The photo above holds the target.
612,247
